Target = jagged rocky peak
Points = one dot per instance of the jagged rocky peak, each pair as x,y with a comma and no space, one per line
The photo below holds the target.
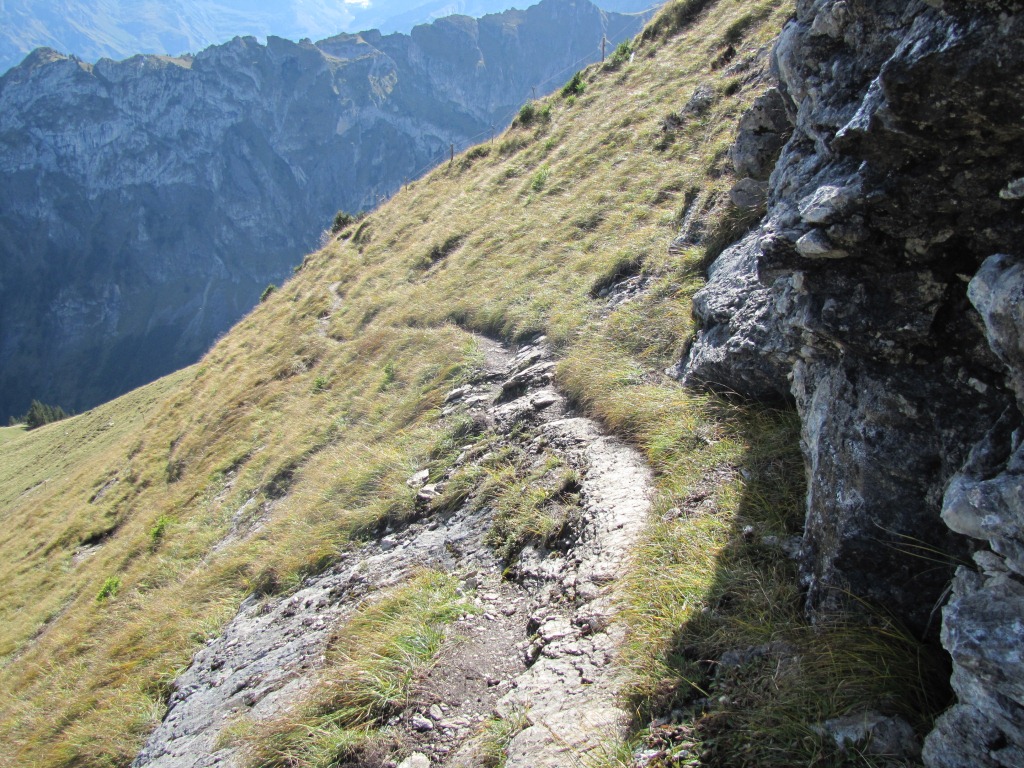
882,291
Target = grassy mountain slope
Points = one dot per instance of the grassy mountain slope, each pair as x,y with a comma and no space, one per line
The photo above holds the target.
132,532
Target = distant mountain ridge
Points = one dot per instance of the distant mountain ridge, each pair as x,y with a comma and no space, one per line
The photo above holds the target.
117,29
145,204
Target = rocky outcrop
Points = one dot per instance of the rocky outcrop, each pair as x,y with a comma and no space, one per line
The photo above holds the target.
871,293
983,623
146,204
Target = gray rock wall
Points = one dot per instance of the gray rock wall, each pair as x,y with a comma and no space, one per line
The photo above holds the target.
871,293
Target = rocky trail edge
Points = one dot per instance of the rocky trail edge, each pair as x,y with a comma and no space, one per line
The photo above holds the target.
541,642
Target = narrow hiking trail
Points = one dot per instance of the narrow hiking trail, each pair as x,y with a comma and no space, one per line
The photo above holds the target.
543,638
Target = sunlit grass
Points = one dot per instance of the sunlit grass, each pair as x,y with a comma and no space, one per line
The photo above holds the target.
10,433
294,436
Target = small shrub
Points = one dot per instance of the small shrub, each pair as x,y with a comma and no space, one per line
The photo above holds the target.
622,53
109,589
156,533
320,384
530,113
539,179
267,292
342,220
575,86
527,114
389,375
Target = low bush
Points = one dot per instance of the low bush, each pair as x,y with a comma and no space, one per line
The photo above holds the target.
621,55
575,86
109,589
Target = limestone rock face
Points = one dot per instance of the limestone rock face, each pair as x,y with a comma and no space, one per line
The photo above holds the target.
145,204
983,623
884,290
855,285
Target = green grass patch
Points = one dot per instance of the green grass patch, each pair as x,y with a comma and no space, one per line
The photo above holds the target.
11,433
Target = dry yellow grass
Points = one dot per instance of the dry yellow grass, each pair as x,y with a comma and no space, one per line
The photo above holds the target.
131,533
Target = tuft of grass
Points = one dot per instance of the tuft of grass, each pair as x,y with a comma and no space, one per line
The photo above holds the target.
535,501
159,529
440,251
625,265
673,18
540,178
496,733
372,664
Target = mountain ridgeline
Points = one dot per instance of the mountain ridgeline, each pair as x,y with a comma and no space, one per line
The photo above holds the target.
146,204
115,30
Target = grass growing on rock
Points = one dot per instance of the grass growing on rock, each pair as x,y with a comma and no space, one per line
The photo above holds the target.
371,666
293,438
497,733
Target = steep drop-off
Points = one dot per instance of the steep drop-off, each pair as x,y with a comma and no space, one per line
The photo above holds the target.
883,293
146,204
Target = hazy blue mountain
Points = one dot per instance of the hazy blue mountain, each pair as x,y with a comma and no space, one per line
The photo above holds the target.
116,29
146,203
